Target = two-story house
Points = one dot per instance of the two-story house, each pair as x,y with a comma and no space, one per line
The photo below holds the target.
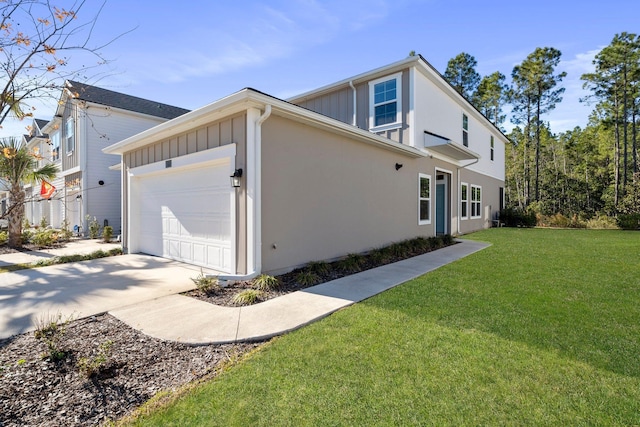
252,183
87,119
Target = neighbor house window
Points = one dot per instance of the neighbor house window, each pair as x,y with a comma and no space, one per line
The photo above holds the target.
424,199
71,141
385,96
55,146
465,130
476,201
491,153
464,200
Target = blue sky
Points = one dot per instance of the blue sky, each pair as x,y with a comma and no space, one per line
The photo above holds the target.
191,53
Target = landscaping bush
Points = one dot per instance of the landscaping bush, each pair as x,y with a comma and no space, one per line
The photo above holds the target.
107,233
65,233
206,284
602,222
94,227
91,366
247,297
4,236
50,330
629,221
43,238
511,217
27,234
264,282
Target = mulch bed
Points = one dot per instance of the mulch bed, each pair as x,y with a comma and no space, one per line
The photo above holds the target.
35,391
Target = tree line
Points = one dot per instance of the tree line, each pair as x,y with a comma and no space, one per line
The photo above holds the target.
583,172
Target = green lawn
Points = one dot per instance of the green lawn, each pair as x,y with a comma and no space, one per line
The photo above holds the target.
542,328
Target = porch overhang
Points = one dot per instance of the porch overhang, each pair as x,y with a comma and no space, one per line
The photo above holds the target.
448,148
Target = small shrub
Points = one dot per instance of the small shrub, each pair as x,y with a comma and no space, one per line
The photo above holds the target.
91,366
107,233
307,278
65,232
27,235
435,242
94,227
43,223
602,222
50,330
115,251
379,256
629,221
448,240
44,238
352,263
518,218
321,268
206,284
26,224
264,282
247,297
4,236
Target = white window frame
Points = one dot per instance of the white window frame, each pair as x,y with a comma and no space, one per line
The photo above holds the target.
465,130
492,145
70,136
464,201
427,221
476,202
55,137
372,105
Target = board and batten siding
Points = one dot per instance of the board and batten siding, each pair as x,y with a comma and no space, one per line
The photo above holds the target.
228,131
338,104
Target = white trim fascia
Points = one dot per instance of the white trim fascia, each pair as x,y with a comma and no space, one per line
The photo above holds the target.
206,156
363,77
241,101
412,105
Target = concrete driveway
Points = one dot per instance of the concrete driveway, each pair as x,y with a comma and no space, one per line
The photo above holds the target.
86,288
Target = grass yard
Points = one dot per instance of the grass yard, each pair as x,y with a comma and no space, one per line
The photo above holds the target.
542,328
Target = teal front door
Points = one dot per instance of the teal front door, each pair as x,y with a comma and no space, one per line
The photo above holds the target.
440,208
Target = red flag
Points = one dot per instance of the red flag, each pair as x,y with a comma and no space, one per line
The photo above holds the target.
46,190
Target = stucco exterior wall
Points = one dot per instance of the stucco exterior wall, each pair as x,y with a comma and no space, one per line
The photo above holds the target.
325,196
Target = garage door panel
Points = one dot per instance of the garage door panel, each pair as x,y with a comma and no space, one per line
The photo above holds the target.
187,216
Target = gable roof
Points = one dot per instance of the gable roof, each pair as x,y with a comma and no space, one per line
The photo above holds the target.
420,64
98,95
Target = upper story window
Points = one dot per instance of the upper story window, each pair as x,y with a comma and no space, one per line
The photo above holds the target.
385,109
424,199
55,146
491,153
69,134
465,130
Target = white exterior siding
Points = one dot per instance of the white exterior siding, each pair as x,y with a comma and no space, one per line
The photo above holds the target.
100,127
438,112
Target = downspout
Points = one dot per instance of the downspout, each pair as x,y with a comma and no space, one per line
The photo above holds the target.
354,102
460,189
257,214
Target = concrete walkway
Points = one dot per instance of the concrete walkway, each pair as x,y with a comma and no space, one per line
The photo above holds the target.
184,319
84,288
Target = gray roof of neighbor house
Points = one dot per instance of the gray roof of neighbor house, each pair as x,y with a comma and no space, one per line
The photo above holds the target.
41,123
97,95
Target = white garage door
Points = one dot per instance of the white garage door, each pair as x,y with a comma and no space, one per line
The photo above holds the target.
186,215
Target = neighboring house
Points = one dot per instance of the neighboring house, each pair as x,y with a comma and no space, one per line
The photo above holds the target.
387,155
88,118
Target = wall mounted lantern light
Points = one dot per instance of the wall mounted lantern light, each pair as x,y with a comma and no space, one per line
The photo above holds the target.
235,178
398,166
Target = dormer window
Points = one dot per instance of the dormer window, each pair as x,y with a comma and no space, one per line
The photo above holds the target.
385,106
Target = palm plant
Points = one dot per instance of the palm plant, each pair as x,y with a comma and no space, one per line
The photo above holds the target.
17,167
